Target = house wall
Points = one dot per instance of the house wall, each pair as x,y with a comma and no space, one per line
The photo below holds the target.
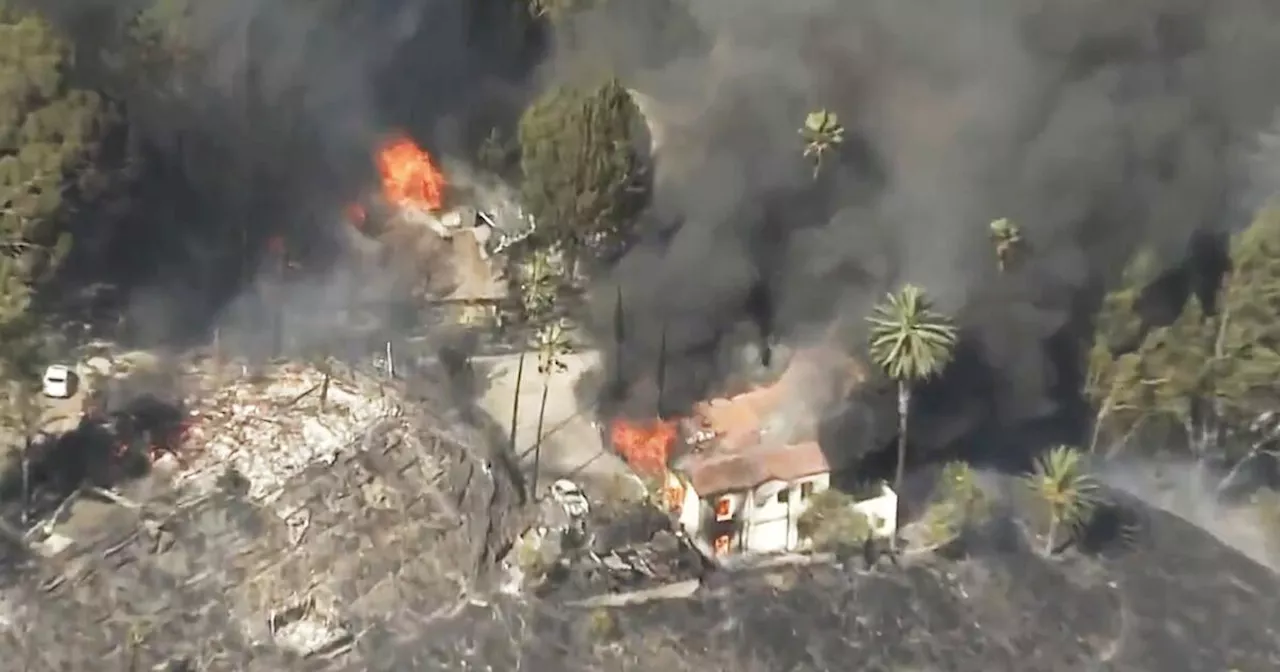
761,520
765,519
881,511
773,511
692,512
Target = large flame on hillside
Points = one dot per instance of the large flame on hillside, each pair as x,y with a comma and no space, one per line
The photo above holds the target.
646,446
409,178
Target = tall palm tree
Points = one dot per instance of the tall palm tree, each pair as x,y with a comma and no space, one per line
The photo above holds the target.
1062,484
822,132
1007,238
912,342
553,346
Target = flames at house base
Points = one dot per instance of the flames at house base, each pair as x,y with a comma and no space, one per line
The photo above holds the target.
645,445
738,471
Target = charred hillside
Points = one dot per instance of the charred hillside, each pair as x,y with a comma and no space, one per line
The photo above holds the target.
1175,599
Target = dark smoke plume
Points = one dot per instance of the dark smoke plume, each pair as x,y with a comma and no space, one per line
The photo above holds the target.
1097,126
267,124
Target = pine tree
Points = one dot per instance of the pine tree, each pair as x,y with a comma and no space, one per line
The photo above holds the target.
584,176
50,139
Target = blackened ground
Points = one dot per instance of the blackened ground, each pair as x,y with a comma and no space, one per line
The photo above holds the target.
402,539
1173,600
104,450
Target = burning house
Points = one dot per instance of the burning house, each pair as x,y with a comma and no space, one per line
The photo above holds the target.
433,219
738,472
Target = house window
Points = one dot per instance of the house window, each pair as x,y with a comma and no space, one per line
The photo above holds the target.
784,496
724,508
806,490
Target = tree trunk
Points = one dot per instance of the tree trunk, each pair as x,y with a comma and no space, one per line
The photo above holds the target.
515,405
619,338
1050,535
904,407
537,439
324,388
26,479
1098,419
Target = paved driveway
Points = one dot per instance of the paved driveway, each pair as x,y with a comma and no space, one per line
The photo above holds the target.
572,446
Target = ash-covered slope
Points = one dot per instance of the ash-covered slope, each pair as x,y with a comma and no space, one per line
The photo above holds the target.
383,559
1175,600
397,528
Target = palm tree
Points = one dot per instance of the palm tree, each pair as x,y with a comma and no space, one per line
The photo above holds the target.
1007,238
539,286
1060,482
822,132
912,342
553,345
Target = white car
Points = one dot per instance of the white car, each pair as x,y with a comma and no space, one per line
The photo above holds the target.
570,496
57,381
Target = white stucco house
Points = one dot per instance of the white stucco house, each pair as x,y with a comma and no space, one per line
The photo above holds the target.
750,472
749,508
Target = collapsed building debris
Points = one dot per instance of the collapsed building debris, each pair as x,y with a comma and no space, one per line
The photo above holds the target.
270,430
306,511
610,547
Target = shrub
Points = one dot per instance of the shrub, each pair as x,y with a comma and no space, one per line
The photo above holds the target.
602,625
532,555
959,502
1063,494
831,523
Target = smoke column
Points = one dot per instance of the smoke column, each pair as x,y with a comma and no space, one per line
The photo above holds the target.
1095,126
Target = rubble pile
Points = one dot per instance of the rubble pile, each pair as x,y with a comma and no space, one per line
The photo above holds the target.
353,524
575,553
270,429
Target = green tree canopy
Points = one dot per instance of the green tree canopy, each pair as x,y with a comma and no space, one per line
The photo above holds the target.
1063,492
909,339
50,138
822,133
912,343
1177,383
584,176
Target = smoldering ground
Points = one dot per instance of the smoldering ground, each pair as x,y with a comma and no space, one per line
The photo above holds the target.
1095,126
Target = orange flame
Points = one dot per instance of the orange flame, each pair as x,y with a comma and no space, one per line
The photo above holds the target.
409,178
645,445
673,494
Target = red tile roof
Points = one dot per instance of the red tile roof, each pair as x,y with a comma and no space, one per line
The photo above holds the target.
740,471
755,437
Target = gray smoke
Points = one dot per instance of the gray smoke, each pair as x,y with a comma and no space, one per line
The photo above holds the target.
270,117
1095,126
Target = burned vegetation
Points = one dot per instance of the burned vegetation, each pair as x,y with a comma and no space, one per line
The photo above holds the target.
396,529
